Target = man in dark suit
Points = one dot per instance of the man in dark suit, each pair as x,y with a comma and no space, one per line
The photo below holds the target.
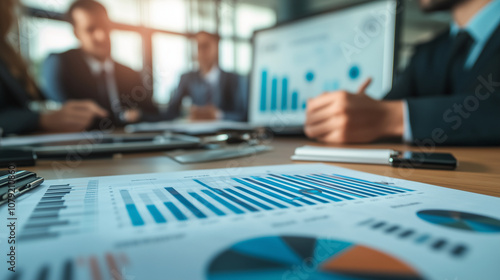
215,94
448,95
16,117
90,73
18,90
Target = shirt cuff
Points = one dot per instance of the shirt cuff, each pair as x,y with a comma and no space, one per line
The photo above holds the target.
407,134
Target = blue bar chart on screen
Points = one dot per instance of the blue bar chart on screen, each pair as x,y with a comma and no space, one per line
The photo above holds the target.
305,58
255,222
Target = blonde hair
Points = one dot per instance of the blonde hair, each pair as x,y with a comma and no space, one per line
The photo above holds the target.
9,55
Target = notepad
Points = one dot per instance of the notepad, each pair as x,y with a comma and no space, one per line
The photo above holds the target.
368,156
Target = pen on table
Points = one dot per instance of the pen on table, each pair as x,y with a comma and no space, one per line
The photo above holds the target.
21,190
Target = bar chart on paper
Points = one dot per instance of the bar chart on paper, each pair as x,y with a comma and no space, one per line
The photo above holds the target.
200,199
220,224
90,205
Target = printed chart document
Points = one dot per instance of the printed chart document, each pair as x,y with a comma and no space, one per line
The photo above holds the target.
309,221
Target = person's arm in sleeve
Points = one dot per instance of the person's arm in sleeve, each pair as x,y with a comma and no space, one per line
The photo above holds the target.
447,120
466,119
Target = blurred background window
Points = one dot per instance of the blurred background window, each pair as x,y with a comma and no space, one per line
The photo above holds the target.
152,36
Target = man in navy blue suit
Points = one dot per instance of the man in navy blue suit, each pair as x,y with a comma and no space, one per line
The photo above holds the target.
448,95
215,94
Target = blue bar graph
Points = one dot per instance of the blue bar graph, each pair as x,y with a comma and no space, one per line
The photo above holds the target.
157,216
340,184
170,206
310,185
207,204
186,203
263,96
284,94
253,201
133,213
274,94
228,196
292,196
367,182
361,185
336,190
215,197
204,185
304,190
285,187
175,211
270,201
295,101
338,187
253,186
236,200
255,193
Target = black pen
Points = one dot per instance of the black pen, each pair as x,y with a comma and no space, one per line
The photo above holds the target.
21,190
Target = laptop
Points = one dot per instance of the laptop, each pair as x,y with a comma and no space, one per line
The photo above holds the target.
97,144
302,59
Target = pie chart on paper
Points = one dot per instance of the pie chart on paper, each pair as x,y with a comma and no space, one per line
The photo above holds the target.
288,257
461,220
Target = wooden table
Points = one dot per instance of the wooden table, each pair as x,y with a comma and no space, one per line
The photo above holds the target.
478,171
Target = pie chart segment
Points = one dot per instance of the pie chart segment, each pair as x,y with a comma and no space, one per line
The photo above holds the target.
270,248
461,221
363,261
304,248
326,248
231,261
483,227
318,259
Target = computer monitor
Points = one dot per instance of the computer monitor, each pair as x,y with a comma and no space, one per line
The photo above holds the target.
299,60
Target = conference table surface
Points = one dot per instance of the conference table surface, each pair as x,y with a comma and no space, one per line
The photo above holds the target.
478,170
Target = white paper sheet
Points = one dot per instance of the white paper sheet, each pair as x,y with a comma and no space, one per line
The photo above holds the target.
276,222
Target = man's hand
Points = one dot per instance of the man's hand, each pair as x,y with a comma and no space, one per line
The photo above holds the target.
74,116
204,113
132,115
340,117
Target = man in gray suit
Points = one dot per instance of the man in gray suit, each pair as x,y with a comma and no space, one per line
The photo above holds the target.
215,94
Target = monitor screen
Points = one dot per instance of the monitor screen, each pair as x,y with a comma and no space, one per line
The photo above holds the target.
300,60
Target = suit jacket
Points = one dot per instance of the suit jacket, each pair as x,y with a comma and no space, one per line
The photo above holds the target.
468,116
15,115
68,77
233,97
